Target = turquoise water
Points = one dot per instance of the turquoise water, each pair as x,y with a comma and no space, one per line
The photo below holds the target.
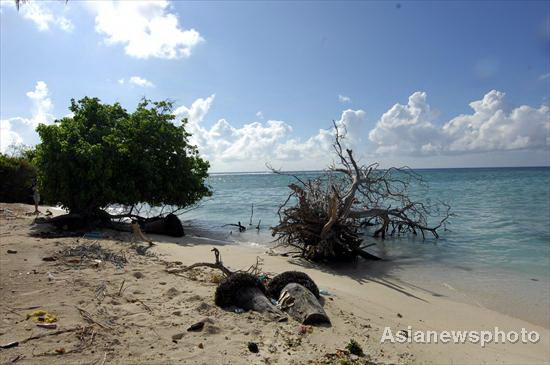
499,235
501,215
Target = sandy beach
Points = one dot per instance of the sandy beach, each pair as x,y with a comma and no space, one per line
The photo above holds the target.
140,313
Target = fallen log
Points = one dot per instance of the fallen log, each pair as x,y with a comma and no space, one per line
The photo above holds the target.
168,226
302,305
244,290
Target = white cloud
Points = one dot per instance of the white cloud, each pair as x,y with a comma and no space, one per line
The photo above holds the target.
139,81
344,99
19,129
41,15
195,114
492,128
410,129
145,28
319,146
223,143
544,76
260,115
42,105
121,81
7,135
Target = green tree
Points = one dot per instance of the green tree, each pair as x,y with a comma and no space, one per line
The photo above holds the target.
17,176
104,155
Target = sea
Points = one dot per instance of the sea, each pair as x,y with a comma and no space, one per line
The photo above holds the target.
494,253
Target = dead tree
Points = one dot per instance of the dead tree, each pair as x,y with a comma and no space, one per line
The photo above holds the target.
325,218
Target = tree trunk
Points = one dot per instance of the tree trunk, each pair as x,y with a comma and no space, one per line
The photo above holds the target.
169,226
253,298
302,305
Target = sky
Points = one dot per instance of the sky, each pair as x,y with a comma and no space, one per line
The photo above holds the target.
423,84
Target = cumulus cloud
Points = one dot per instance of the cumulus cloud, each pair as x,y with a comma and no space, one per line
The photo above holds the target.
13,130
137,81
8,137
145,29
351,124
42,105
42,15
344,99
223,142
493,126
544,76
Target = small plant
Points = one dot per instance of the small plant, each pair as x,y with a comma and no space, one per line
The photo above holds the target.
354,348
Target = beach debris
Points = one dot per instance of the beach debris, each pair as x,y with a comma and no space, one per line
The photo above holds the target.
238,225
17,358
217,265
9,345
138,275
42,316
253,347
354,348
303,329
246,291
302,305
277,284
324,218
170,225
49,259
50,326
94,251
198,326
399,315
178,336
298,295
12,251
325,293
60,350
239,310
172,292
201,345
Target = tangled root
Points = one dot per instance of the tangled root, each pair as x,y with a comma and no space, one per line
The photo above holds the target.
228,292
277,284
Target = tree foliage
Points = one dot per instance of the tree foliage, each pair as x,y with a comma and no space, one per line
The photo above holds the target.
17,176
104,155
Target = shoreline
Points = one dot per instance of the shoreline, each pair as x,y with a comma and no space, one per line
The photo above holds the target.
379,300
487,287
145,316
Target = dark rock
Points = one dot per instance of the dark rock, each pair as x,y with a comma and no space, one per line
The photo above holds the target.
253,347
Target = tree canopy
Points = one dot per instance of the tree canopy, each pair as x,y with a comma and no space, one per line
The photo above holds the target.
103,155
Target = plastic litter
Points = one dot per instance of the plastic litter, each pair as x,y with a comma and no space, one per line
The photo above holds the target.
41,316
325,293
9,345
262,278
50,326
239,310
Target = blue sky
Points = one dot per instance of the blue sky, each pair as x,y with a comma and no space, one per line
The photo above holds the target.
262,81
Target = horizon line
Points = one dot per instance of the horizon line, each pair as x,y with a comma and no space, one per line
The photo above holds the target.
416,168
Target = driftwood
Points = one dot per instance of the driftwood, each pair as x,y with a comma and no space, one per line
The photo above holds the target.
169,226
324,218
302,305
244,290
241,289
